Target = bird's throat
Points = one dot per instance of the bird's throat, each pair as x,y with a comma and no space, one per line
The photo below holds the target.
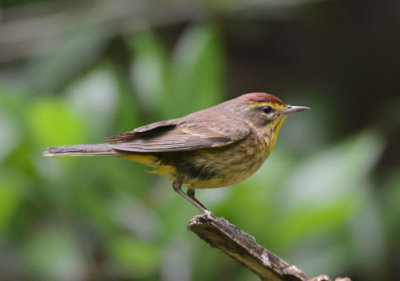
271,132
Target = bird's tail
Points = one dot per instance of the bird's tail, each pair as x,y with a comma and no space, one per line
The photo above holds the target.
81,150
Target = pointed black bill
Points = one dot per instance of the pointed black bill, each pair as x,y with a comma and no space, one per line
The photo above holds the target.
293,109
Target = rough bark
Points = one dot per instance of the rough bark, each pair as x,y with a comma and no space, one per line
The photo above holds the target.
221,234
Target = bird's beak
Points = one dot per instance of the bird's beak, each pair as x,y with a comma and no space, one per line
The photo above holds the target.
293,109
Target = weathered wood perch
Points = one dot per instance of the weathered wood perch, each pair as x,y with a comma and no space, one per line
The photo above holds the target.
221,234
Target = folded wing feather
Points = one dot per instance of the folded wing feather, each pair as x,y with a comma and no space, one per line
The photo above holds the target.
180,135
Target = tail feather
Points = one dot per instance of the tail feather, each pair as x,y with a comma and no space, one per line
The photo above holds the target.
81,150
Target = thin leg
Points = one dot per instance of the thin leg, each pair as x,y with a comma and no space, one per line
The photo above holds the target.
191,193
177,185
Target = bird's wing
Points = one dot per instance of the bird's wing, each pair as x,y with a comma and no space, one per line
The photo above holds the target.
180,135
150,129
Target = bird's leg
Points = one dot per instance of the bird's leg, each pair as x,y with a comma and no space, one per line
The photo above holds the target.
191,192
177,185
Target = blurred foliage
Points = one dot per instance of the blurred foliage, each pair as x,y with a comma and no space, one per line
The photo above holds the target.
319,201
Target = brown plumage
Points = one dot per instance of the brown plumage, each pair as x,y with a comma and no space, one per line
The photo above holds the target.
214,147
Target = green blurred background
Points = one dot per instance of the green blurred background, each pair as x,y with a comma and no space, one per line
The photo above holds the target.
327,200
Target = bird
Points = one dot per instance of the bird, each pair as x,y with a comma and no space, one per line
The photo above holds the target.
214,147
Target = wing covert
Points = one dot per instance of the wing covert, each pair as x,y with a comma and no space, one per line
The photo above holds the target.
183,136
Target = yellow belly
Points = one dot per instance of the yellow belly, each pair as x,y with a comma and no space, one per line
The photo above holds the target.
208,168
231,166
214,167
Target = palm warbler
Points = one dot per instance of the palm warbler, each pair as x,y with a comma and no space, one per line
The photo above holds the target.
214,147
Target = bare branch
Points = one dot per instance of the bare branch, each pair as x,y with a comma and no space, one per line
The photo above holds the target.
219,233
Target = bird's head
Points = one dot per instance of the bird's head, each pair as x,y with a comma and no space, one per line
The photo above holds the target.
266,113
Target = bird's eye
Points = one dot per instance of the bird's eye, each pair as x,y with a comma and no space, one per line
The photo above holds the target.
267,109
